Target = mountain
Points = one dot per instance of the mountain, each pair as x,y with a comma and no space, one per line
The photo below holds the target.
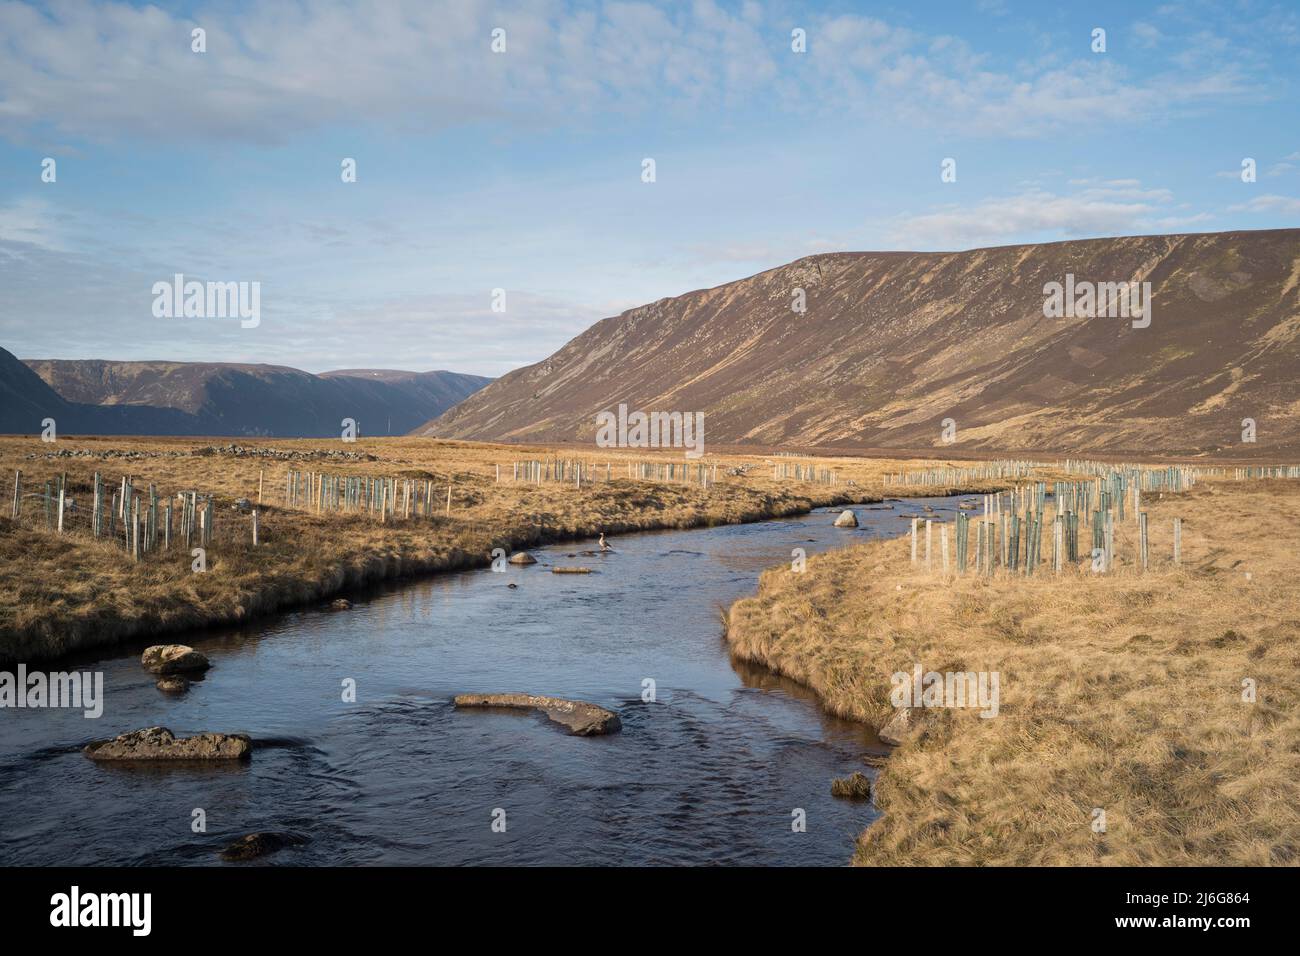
420,390
201,398
26,401
892,344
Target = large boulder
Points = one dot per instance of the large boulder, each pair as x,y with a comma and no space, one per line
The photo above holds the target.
522,557
173,659
159,743
580,718
847,519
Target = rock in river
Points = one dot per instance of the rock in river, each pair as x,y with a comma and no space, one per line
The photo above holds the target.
159,743
581,719
522,557
898,729
847,519
173,684
259,844
173,659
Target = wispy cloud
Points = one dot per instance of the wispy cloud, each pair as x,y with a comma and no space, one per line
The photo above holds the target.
108,70
1101,208
1270,203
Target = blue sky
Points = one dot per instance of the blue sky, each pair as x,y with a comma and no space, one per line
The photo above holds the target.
522,170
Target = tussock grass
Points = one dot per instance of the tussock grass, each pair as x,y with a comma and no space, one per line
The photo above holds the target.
60,594
1121,693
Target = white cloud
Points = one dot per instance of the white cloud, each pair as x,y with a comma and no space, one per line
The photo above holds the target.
1145,35
1112,207
1270,203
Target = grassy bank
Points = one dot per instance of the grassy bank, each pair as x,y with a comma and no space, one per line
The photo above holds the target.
1120,693
61,593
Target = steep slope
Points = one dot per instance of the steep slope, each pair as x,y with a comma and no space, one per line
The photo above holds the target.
892,344
232,399
26,401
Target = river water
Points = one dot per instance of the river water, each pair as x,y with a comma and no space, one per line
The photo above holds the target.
709,772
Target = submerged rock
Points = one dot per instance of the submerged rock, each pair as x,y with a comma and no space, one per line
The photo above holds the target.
570,570
173,684
340,604
159,743
582,719
173,659
847,519
856,786
259,844
522,557
898,729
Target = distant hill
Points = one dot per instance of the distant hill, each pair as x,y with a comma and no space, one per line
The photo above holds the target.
201,398
892,344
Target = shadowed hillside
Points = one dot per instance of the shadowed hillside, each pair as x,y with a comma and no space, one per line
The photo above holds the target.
199,398
893,343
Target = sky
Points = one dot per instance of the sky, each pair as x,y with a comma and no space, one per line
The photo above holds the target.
523,169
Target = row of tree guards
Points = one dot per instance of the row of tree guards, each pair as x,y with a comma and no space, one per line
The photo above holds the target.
1267,471
578,473
1172,478
1079,521
821,476
362,494
141,519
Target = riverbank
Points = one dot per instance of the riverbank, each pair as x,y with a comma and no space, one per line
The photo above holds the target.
1126,732
64,593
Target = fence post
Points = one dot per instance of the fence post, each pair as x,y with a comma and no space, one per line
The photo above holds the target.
1178,541
255,527
18,494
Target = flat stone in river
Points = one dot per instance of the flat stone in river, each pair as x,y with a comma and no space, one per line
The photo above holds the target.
159,743
581,719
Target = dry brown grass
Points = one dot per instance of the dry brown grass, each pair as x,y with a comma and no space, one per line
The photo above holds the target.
1120,692
63,593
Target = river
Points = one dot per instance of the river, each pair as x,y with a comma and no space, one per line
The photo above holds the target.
710,772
